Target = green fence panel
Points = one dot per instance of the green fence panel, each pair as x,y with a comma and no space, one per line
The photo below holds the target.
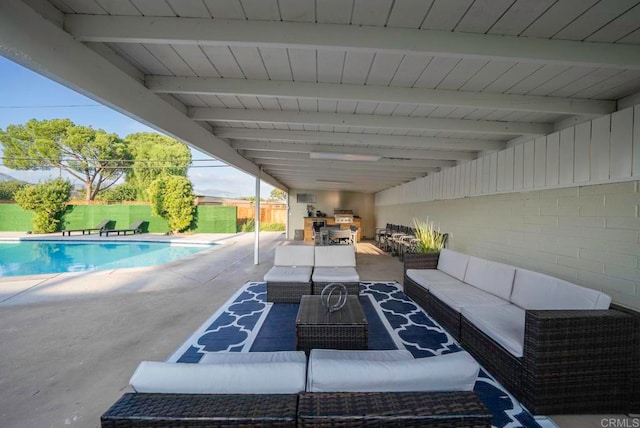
13,218
210,219
216,219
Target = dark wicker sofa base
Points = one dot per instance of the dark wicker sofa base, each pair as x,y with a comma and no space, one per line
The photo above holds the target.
287,292
412,409
353,288
577,361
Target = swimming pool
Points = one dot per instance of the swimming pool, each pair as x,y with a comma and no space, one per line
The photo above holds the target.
38,257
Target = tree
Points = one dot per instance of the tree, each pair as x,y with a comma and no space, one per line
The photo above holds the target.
9,188
278,195
172,198
123,192
155,156
92,156
47,200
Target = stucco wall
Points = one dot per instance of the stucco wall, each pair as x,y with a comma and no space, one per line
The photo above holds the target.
327,201
589,235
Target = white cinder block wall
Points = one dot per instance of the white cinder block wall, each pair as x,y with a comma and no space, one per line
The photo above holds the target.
565,204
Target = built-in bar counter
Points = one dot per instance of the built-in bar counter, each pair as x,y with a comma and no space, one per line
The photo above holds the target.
329,221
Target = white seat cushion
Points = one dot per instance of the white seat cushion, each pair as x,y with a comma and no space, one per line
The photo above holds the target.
289,274
427,277
492,277
336,354
253,357
533,290
294,255
503,323
460,296
335,256
222,378
451,372
335,274
453,263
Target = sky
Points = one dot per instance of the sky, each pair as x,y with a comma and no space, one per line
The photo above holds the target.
26,95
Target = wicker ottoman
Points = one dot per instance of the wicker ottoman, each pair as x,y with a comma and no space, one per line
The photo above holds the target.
318,329
392,409
195,410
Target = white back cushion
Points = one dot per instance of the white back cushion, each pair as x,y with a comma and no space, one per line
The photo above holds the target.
294,255
534,290
253,357
492,277
335,256
453,263
223,378
451,372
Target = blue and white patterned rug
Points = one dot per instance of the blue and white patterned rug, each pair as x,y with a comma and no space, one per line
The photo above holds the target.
248,323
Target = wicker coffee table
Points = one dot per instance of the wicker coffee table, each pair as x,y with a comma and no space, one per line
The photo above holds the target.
316,328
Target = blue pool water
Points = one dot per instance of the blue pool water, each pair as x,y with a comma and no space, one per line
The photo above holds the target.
37,257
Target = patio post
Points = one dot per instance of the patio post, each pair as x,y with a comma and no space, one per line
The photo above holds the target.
256,242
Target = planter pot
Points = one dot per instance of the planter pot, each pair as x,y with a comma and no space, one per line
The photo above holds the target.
421,261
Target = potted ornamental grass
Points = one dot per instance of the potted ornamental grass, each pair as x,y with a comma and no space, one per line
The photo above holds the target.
428,243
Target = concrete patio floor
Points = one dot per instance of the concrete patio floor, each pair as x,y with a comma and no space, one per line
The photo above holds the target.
70,342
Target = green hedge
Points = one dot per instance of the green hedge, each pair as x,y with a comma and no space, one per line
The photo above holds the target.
210,218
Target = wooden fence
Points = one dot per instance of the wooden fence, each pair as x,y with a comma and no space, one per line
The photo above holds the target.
269,213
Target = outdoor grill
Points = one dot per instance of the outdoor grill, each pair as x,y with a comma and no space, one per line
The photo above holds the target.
343,216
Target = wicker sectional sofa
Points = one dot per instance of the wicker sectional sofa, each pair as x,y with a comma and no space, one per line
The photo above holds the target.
304,269
558,347
278,389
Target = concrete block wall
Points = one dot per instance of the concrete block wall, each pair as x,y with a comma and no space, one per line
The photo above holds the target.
589,235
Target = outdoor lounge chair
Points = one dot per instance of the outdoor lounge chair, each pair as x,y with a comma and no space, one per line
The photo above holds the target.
100,227
136,227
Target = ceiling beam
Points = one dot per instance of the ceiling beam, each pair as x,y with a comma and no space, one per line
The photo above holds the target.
34,42
376,94
369,121
260,155
353,166
353,139
386,153
204,31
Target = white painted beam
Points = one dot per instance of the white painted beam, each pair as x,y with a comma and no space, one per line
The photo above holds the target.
354,166
34,42
171,30
353,139
387,153
370,121
376,94
344,171
260,155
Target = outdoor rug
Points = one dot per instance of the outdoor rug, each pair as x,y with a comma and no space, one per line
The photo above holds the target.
247,323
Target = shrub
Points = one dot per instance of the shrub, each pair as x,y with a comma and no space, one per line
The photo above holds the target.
48,202
124,192
9,188
172,198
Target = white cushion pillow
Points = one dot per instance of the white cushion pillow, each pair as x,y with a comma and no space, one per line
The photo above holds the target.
427,277
337,354
451,372
289,274
223,378
253,357
335,274
294,255
335,256
492,277
453,263
503,323
534,290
